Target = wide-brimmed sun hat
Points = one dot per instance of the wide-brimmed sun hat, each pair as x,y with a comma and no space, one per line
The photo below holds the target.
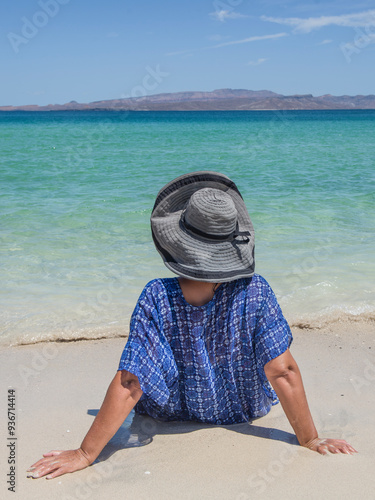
202,229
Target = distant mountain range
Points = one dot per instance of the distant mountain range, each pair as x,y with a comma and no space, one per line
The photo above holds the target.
222,99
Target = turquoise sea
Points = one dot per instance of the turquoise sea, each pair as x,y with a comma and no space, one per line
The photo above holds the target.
77,190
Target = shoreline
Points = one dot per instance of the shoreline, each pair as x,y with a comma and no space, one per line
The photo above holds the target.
324,322
158,460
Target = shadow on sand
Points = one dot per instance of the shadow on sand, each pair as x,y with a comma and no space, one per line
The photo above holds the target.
139,430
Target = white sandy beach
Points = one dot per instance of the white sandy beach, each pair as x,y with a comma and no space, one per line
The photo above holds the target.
60,386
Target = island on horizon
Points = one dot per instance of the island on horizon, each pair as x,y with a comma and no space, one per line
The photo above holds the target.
217,100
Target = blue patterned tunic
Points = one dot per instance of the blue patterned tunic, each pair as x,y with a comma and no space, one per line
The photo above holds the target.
205,363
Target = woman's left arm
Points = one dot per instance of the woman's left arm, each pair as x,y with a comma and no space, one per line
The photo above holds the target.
284,375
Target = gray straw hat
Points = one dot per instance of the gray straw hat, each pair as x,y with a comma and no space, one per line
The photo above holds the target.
202,230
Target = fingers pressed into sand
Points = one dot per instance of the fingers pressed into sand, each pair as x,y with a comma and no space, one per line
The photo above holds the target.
57,463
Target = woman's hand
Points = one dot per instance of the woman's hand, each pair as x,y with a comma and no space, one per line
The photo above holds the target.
123,393
57,462
323,446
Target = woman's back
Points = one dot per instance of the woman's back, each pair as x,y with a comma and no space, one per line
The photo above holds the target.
205,362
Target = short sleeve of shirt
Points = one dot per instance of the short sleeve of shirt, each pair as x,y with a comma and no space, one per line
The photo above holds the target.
272,334
147,353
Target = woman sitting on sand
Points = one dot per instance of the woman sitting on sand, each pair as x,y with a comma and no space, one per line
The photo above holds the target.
205,345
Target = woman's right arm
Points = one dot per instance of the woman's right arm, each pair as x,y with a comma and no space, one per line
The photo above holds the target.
284,375
122,395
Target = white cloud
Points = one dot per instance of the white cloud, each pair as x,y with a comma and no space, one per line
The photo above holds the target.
250,39
225,44
257,62
223,15
324,42
361,19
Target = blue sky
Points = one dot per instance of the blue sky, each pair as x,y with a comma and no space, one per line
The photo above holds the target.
55,51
